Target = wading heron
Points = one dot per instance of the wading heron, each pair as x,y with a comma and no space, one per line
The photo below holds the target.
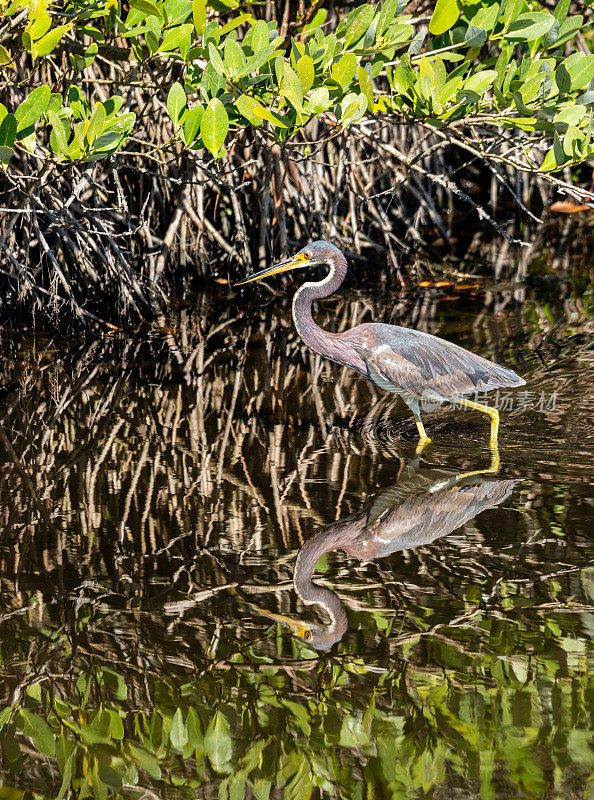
415,365
423,506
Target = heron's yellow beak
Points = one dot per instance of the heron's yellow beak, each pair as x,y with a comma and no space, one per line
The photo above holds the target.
297,627
300,260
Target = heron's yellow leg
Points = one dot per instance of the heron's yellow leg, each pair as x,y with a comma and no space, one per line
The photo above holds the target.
492,412
423,438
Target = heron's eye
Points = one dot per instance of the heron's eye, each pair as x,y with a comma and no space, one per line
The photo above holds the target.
307,636
308,255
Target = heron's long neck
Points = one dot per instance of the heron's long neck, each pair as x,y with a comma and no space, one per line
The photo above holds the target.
310,592
315,337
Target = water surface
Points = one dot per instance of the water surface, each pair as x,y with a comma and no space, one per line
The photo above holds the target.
156,488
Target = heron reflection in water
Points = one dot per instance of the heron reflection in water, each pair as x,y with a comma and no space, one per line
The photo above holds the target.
423,506
410,363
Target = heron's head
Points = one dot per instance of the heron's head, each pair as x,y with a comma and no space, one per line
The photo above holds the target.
319,252
320,637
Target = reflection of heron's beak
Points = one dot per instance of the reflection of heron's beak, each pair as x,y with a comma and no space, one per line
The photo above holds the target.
300,260
301,629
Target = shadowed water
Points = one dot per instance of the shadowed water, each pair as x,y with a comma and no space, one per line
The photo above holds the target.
156,489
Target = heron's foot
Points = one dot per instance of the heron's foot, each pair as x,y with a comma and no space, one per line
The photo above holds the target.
494,414
492,468
421,444
423,438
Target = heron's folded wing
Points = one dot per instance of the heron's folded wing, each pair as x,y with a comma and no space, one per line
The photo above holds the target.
424,365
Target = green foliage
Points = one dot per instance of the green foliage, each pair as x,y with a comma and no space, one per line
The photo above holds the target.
251,730
234,70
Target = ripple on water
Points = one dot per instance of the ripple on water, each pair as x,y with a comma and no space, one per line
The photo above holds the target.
154,496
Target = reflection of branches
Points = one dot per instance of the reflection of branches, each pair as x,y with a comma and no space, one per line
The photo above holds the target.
182,476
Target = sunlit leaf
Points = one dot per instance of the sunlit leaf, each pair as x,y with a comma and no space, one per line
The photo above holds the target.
291,87
444,17
96,123
260,36
256,61
176,102
214,126
319,101
572,115
215,59
343,71
305,70
45,45
426,78
248,106
270,116
567,29
148,7
199,16
234,58
486,18
235,22
34,107
5,57
192,123
528,27
388,11
365,85
561,9
573,141
359,24
581,69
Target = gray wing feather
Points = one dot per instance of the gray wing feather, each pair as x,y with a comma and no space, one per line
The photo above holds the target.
423,518
424,365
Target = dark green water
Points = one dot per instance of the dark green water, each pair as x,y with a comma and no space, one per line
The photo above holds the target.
155,489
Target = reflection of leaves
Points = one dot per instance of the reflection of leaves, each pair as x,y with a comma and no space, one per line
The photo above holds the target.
195,736
38,730
115,682
178,733
67,770
411,751
145,761
5,716
217,741
10,748
261,789
587,581
579,747
301,786
352,733
300,715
